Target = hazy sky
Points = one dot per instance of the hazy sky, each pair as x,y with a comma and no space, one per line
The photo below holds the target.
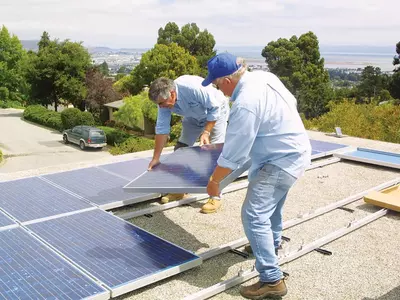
134,23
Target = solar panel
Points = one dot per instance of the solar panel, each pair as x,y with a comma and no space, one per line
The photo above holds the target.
98,186
30,270
186,170
5,221
322,146
129,169
117,253
32,198
381,158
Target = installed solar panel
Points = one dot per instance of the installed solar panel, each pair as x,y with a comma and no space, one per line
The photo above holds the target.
5,221
98,186
129,169
119,254
186,170
30,270
32,198
381,158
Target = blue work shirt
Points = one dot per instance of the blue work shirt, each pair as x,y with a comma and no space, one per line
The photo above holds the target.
264,125
193,101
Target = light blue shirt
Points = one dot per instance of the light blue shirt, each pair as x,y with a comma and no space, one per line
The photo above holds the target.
193,101
264,125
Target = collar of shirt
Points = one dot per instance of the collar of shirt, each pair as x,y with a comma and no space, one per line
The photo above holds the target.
238,86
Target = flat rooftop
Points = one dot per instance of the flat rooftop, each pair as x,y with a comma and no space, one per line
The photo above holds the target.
364,264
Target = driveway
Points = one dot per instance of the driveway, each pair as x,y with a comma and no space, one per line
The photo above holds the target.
28,146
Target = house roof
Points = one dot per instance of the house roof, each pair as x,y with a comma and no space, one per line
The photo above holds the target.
363,264
115,104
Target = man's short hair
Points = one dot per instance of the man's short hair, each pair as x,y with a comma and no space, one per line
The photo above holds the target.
161,87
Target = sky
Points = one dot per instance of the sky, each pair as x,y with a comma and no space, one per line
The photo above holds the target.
135,23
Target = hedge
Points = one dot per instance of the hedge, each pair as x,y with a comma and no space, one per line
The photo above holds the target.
41,115
114,135
133,144
72,117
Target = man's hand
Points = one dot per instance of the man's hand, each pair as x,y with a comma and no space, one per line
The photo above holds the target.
205,138
213,189
154,162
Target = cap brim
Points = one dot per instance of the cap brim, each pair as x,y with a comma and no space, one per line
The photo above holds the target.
207,81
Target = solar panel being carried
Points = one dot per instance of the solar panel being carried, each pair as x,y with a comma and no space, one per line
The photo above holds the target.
32,198
98,186
187,170
30,270
117,253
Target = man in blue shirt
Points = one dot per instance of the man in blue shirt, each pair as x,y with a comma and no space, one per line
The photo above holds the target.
264,125
205,112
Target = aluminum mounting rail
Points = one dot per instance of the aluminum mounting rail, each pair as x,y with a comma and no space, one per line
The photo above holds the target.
244,276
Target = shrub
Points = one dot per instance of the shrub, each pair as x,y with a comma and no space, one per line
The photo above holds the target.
133,144
1,156
114,135
86,118
70,117
175,132
40,115
4,93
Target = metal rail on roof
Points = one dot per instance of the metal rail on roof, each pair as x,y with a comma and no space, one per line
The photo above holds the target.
249,274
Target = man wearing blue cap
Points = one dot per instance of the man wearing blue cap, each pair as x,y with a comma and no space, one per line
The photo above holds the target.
205,112
264,125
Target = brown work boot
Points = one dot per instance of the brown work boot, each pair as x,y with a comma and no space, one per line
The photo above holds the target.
172,197
211,206
261,290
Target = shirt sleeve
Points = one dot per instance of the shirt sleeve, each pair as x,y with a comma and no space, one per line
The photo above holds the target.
163,124
240,136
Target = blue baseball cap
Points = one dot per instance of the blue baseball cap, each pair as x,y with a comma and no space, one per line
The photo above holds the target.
220,65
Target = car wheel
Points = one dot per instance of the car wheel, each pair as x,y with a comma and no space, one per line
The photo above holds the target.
82,145
65,139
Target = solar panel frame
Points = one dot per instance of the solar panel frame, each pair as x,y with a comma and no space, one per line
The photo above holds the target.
6,222
112,234
23,276
366,155
40,201
108,188
170,181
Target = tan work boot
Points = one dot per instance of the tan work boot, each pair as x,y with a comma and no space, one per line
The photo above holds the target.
172,197
261,290
211,206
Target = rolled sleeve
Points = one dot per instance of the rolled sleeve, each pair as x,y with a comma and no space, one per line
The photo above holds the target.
163,124
240,136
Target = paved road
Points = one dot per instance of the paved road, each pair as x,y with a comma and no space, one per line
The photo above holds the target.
28,146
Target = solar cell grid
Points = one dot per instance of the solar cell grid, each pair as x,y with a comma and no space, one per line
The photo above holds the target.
29,270
5,221
114,251
32,198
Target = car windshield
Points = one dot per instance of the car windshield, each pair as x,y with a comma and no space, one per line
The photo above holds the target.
96,133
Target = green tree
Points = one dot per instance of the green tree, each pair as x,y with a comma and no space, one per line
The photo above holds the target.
395,80
131,113
170,61
198,43
396,58
104,68
371,83
298,63
57,72
13,59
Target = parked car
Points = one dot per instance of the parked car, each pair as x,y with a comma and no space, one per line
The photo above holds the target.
85,136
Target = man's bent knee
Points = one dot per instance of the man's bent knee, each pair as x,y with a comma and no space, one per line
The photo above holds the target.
180,145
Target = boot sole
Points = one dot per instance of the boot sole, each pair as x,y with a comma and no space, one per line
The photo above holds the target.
270,295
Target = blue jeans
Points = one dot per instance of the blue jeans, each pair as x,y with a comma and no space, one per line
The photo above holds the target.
262,217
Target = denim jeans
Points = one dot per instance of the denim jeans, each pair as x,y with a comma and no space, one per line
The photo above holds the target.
262,217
